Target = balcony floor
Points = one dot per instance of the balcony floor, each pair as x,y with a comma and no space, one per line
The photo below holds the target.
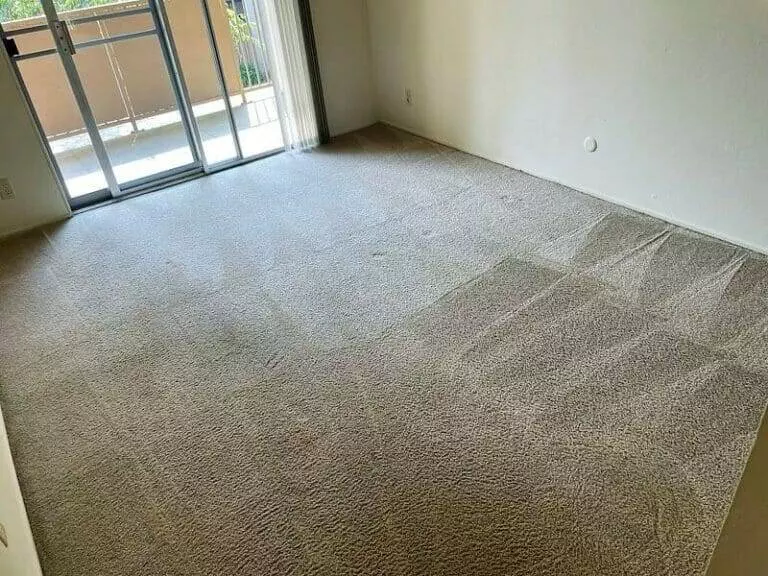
158,143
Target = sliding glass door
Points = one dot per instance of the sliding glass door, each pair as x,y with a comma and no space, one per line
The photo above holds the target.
133,94
188,21
30,42
98,77
122,66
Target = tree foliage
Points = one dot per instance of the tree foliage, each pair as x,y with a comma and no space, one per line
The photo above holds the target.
20,9
239,28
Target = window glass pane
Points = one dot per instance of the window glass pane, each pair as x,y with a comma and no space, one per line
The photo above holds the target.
68,9
196,60
63,126
243,49
13,10
109,27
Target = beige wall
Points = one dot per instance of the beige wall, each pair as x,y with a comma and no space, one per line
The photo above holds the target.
675,92
38,198
341,34
742,549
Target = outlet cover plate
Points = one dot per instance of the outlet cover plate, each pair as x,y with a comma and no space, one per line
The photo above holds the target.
6,192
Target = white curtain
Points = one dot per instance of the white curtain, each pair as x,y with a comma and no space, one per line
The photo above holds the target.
290,73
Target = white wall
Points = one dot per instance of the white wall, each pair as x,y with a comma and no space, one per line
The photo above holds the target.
20,557
343,46
38,199
676,92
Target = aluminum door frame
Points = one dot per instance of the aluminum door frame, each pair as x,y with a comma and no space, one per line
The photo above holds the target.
217,63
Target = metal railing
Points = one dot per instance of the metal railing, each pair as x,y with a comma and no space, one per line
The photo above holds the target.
247,32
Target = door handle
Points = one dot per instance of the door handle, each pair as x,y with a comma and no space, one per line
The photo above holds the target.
11,47
63,37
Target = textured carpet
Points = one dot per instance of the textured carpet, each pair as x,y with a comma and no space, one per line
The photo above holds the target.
381,357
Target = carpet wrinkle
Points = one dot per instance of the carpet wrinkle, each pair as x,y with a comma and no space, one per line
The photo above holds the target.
535,310
679,261
518,334
705,312
626,270
580,332
618,236
380,357
566,248
625,405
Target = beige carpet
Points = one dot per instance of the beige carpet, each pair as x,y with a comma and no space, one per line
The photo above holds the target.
384,357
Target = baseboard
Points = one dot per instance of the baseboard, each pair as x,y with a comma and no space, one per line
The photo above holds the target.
5,234
601,196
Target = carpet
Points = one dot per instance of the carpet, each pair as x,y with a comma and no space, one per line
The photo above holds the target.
381,357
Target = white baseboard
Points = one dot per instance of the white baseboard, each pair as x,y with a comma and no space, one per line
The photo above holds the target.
619,202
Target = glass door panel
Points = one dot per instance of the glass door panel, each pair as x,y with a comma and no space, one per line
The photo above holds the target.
63,125
123,68
33,51
243,50
193,47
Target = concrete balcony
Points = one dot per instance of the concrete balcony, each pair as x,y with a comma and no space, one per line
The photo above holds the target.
158,143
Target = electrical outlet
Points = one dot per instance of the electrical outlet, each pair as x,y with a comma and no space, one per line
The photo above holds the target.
6,192
409,96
